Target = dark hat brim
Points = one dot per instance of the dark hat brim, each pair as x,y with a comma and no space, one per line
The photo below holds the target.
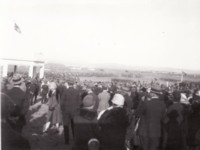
16,82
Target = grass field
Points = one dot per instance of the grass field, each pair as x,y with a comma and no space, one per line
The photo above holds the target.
148,77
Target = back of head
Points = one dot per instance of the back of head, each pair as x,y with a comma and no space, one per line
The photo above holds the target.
17,79
52,86
93,144
88,102
177,96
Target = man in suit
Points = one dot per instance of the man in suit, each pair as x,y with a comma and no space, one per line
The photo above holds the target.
21,105
70,102
151,112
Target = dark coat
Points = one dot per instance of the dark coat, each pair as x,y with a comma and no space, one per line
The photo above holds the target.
54,114
128,102
70,102
11,140
193,125
135,99
151,114
45,90
19,98
85,128
113,124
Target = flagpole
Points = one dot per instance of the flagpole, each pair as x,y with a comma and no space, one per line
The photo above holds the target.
182,77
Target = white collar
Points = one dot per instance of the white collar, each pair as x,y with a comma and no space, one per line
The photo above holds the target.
103,111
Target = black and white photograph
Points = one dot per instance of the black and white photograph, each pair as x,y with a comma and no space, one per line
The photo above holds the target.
100,74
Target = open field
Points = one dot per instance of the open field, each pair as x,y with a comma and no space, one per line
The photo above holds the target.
147,77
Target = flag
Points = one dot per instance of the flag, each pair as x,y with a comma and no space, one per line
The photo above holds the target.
16,27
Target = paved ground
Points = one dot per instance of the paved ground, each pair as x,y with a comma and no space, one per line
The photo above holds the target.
36,119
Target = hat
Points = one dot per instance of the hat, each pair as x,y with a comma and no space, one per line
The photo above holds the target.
157,92
70,82
52,86
197,93
118,99
93,144
88,101
184,99
16,80
126,89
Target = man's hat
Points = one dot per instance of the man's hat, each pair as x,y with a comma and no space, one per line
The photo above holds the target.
70,82
17,79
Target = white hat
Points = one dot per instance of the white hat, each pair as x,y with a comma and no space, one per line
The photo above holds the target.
52,86
198,93
118,99
184,99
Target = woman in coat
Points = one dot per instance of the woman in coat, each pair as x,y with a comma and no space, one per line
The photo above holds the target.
113,123
85,124
54,114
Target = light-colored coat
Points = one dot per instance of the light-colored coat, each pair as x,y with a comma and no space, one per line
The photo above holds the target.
103,101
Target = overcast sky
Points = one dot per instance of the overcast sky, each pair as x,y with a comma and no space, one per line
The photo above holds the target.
157,33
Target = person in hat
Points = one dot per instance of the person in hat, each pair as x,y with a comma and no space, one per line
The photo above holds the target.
134,96
113,123
93,144
70,102
10,139
19,99
173,124
85,124
95,97
194,122
54,114
44,92
150,112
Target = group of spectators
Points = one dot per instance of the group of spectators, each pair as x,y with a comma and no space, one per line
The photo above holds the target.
104,115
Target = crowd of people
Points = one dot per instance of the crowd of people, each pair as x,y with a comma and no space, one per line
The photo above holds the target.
104,115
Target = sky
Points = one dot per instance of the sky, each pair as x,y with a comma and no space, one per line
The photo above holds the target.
146,33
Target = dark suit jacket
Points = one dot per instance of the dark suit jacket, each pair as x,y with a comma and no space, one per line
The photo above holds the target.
70,102
85,128
113,124
151,115
19,98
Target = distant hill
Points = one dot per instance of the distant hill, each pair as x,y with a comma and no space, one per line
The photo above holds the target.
120,67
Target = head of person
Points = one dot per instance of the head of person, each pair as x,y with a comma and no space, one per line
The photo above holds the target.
93,144
70,83
17,80
88,102
133,88
118,100
177,96
89,90
52,86
105,88
126,89
197,93
153,95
